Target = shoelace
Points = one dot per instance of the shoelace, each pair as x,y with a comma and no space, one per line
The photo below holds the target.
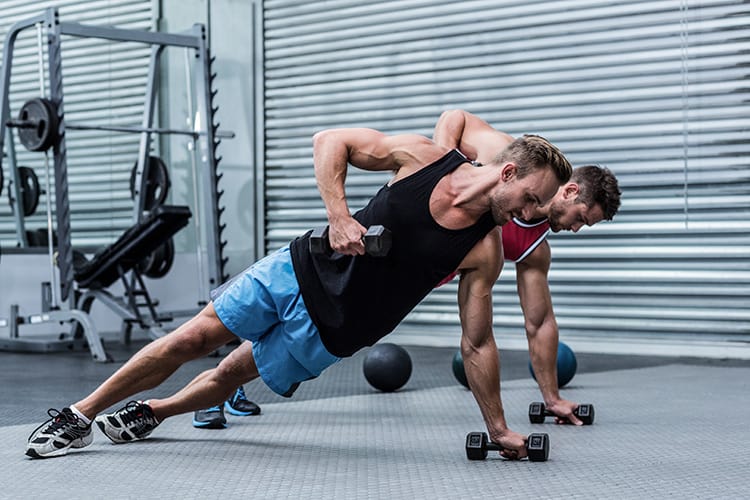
136,412
57,420
240,394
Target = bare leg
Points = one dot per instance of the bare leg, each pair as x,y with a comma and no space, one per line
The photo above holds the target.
210,387
153,364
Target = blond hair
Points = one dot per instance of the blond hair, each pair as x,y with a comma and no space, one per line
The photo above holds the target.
533,152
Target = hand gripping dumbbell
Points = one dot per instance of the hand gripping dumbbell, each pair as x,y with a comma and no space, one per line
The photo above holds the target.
537,413
377,241
478,444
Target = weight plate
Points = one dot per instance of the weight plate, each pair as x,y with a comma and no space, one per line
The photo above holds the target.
157,183
159,262
166,261
29,184
37,128
40,238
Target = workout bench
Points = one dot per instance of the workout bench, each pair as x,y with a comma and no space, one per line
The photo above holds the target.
107,266
122,257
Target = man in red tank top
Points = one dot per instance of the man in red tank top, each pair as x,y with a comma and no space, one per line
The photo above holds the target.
591,195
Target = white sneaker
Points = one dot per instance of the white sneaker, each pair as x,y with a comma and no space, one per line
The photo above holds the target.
63,431
132,422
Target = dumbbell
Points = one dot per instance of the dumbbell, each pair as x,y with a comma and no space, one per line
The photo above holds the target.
478,444
537,413
377,241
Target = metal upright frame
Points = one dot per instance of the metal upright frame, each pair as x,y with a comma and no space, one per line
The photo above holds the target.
206,138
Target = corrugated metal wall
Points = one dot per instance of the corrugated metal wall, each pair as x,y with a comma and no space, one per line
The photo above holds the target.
655,90
103,84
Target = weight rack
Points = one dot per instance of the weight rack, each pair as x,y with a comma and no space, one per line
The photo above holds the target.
206,139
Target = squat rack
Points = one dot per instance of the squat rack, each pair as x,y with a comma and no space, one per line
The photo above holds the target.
205,136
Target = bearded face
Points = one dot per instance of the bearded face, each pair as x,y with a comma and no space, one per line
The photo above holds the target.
555,216
572,215
522,197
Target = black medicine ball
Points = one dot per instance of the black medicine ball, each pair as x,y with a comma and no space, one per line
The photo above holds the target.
387,367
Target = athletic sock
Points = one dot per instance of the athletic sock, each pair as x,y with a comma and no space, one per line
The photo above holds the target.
80,415
148,403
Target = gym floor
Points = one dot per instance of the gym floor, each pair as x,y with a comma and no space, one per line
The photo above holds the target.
665,427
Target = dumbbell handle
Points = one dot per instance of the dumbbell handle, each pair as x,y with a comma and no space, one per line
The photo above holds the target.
496,447
377,241
548,413
478,444
587,416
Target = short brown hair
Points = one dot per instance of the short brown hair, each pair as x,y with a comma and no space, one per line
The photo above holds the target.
597,186
532,152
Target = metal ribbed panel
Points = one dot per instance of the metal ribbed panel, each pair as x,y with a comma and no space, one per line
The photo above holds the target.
654,90
103,83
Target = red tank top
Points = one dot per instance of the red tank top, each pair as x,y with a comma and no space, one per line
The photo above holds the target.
520,238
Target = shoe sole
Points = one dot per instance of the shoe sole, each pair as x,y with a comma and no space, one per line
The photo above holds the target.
31,452
208,425
230,409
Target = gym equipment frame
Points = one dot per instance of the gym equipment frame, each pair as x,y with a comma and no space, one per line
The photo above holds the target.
206,141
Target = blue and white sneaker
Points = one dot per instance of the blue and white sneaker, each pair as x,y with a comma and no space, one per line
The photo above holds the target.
210,418
239,405
55,437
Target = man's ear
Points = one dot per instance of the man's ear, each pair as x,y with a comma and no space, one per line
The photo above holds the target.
571,191
509,172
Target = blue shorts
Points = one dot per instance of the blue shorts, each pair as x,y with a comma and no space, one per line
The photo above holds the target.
263,304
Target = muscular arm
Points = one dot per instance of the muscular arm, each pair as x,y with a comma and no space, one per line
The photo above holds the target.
474,137
479,271
541,327
540,323
334,150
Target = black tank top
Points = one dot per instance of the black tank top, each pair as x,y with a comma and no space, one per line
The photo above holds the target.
356,300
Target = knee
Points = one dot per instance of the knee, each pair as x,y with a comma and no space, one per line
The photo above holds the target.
227,376
237,368
196,338
183,346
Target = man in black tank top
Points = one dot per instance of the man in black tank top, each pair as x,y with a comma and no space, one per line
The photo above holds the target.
303,312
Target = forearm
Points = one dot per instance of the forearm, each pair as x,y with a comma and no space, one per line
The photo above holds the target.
482,367
471,135
543,352
449,129
330,160
479,272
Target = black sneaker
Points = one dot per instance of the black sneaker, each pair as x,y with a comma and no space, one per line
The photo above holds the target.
132,422
239,405
210,418
63,431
